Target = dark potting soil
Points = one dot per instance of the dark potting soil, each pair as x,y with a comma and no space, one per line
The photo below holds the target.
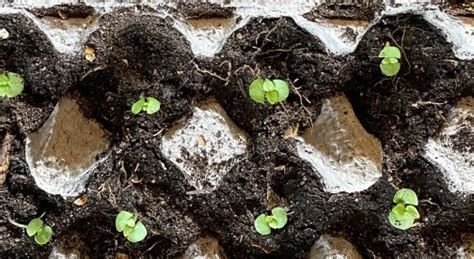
351,10
138,52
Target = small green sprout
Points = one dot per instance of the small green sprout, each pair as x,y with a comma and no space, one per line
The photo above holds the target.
132,228
148,104
11,84
389,64
263,224
403,215
41,232
274,91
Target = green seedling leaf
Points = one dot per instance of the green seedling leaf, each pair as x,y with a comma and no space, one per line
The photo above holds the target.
3,80
122,219
131,222
274,91
3,90
261,225
392,60
127,230
278,219
44,236
280,216
16,85
390,69
153,105
35,226
412,211
390,65
138,233
11,85
41,232
270,220
402,222
132,228
403,215
268,86
272,97
138,106
399,209
406,196
148,104
256,91
282,88
390,52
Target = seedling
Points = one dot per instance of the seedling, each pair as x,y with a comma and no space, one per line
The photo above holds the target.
148,104
403,215
41,232
132,228
389,64
11,84
264,223
274,91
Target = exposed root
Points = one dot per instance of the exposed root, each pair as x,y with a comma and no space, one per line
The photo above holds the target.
265,40
241,87
402,50
302,98
423,103
255,71
151,247
268,33
290,49
430,202
16,224
381,81
229,68
204,71
95,69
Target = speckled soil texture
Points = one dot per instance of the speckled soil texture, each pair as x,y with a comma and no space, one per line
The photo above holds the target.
144,54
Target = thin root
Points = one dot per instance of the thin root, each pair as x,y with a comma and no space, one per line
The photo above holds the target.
212,74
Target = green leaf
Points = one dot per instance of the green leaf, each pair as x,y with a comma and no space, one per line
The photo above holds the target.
138,106
153,105
256,91
390,52
282,88
390,69
15,84
35,226
3,80
410,209
268,86
280,216
269,219
4,87
44,236
131,222
122,219
262,226
272,97
392,60
127,230
399,209
3,90
401,221
138,234
406,196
